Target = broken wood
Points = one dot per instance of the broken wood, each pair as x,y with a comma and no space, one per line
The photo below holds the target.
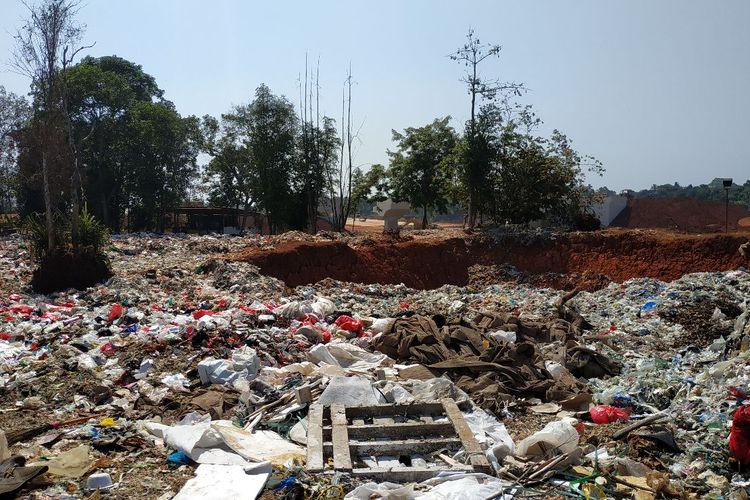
630,428
341,455
471,446
315,439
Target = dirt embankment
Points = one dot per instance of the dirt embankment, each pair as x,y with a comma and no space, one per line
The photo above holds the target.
430,263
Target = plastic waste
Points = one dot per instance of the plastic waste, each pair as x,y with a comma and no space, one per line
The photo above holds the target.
557,437
176,382
99,481
350,324
350,391
491,433
178,457
605,414
72,463
115,311
219,482
244,365
504,336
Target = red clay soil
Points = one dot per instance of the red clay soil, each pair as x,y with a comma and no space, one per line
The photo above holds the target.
681,214
430,263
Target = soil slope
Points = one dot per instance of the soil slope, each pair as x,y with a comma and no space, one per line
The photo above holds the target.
431,262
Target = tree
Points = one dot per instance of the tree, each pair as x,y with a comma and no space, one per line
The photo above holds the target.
317,144
476,164
163,147
340,180
419,170
103,95
368,188
14,114
538,178
47,44
255,156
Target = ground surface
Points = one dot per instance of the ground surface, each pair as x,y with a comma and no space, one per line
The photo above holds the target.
428,259
664,334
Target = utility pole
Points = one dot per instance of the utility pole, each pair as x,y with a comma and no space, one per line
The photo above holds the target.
727,185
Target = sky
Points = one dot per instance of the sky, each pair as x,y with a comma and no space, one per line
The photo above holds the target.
658,91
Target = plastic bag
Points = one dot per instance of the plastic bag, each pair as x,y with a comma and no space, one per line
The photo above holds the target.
559,435
114,312
350,324
605,414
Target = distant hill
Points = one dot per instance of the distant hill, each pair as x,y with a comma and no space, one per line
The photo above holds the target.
682,214
714,190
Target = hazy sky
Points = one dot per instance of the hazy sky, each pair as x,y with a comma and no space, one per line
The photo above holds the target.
656,90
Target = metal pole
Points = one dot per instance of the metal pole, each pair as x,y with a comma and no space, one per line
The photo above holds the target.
726,211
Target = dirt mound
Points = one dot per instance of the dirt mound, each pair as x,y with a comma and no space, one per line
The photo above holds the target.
681,214
430,263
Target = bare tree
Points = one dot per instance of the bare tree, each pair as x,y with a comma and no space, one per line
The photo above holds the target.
471,55
46,45
341,182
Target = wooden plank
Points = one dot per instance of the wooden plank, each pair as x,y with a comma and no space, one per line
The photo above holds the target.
399,447
471,446
401,430
315,438
342,460
382,420
406,474
415,409
358,421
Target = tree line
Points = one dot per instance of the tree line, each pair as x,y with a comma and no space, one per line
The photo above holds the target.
100,133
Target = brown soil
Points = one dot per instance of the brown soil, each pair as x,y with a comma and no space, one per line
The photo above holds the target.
65,270
681,214
431,262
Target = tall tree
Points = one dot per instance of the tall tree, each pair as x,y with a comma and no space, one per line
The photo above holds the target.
340,180
476,166
258,141
103,94
420,167
47,44
14,113
318,144
164,147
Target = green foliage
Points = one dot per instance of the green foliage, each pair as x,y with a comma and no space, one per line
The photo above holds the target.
136,153
714,190
14,112
420,169
93,235
255,155
34,227
369,188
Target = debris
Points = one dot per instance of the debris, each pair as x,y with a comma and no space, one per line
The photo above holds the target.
219,482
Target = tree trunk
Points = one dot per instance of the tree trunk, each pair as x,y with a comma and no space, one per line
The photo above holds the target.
48,206
424,217
75,216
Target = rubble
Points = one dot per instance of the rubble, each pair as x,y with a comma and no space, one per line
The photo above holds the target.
188,375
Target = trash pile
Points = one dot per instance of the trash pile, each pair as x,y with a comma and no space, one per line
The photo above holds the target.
188,376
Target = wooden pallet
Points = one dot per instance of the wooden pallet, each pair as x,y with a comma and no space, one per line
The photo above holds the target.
339,438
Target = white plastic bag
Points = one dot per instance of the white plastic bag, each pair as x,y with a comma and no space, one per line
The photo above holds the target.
558,435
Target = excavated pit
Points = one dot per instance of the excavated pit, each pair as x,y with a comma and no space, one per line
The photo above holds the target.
567,260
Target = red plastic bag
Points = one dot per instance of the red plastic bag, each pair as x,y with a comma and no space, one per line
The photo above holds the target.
114,312
349,324
605,414
202,312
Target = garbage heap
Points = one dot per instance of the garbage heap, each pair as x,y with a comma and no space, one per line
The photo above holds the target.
185,376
